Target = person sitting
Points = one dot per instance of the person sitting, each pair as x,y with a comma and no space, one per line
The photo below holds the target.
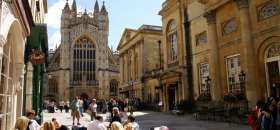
48,126
135,125
116,126
21,123
32,124
58,126
97,124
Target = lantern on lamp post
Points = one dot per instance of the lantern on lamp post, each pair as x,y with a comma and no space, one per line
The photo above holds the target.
242,79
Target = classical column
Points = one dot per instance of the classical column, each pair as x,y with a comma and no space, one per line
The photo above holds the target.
248,49
29,86
216,90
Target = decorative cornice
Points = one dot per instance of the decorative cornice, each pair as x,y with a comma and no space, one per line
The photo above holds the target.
210,17
242,3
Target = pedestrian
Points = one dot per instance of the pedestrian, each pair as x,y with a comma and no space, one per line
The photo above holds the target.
81,107
58,126
61,105
66,106
135,125
21,123
97,124
48,126
278,116
75,110
93,109
32,124
266,118
160,104
116,115
253,118
116,126
110,107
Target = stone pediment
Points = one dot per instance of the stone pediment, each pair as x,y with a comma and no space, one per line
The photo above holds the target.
127,34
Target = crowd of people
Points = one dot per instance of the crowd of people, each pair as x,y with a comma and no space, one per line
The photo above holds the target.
120,115
266,115
28,122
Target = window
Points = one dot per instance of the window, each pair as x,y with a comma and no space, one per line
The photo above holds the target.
233,70
136,66
201,38
229,26
172,40
83,61
267,10
203,74
6,88
37,6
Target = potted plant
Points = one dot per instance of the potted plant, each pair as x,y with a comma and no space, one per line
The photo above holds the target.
37,57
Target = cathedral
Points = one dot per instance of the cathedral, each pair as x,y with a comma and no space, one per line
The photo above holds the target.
83,64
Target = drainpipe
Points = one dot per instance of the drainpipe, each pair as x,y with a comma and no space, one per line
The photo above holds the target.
189,58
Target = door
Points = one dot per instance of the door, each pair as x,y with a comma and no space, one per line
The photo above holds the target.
273,70
171,97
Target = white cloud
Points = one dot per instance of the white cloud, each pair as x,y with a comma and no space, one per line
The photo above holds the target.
54,40
54,13
53,21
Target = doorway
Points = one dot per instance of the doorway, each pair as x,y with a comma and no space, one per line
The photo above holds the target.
171,97
272,66
273,72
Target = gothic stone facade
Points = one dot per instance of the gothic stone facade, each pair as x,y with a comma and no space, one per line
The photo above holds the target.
83,65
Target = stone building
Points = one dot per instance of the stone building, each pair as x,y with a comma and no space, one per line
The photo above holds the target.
140,63
15,25
83,65
230,44
175,77
233,46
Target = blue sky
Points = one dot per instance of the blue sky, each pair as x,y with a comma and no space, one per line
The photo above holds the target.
122,14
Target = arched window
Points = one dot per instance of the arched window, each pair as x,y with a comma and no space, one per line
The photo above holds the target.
113,87
172,40
83,69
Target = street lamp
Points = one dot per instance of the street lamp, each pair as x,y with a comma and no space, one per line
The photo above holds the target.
208,85
242,78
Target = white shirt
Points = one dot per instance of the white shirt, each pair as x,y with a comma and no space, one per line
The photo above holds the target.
96,125
135,126
93,107
34,125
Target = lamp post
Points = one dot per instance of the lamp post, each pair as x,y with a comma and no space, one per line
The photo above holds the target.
242,78
208,85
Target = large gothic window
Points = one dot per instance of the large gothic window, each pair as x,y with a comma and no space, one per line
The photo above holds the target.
172,40
84,62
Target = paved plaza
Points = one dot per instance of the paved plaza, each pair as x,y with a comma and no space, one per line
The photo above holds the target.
148,120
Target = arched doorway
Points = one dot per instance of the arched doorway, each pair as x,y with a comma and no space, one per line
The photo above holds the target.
84,96
272,67
113,88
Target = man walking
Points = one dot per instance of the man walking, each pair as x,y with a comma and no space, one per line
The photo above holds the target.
93,109
75,110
